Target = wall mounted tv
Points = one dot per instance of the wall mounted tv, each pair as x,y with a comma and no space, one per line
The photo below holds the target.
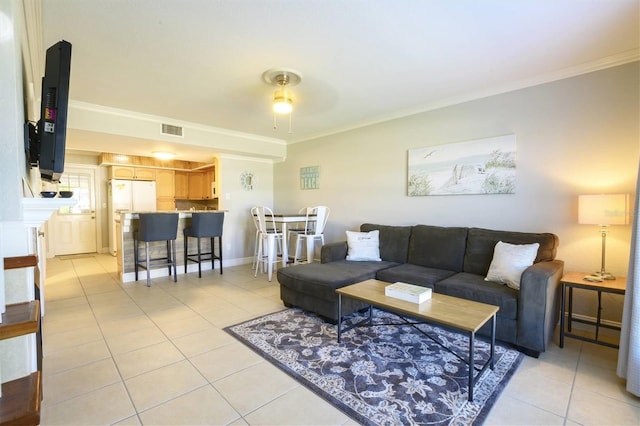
47,139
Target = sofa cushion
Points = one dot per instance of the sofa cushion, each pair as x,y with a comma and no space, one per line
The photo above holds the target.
509,262
363,246
321,279
413,274
474,287
480,244
437,247
394,241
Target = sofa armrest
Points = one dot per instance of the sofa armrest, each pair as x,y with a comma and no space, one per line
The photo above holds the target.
538,304
333,251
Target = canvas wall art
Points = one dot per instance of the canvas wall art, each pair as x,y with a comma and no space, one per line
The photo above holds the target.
310,177
481,166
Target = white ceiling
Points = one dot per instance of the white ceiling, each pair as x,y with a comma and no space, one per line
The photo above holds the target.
361,61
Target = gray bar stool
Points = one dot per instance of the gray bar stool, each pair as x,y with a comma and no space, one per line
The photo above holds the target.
156,227
204,225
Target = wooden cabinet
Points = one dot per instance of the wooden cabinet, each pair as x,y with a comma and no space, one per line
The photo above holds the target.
211,178
196,186
171,185
201,185
165,190
132,173
165,205
181,185
165,183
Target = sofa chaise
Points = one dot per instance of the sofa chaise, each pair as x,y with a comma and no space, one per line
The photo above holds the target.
450,260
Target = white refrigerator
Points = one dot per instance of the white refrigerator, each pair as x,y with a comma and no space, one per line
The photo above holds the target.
128,196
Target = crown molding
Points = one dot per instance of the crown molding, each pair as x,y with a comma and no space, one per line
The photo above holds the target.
247,158
622,58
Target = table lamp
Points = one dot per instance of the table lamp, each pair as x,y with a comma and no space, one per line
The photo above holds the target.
603,210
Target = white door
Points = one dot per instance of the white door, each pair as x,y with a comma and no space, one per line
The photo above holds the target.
75,227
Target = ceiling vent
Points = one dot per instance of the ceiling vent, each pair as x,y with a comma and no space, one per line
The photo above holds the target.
169,129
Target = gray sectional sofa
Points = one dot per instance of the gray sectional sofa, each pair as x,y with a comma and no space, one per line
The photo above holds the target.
450,260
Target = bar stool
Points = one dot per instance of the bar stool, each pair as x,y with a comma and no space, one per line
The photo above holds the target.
204,225
156,227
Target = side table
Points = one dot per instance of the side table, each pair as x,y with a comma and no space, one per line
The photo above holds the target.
573,280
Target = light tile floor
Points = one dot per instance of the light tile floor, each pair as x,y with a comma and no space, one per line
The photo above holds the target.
127,354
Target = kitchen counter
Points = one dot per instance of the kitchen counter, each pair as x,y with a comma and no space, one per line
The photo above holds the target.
183,214
127,224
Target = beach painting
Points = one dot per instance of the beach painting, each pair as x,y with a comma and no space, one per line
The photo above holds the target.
481,166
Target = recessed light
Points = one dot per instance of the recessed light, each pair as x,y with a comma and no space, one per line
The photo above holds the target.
161,155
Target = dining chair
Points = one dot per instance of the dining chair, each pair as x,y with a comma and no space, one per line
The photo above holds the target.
156,227
254,218
204,225
294,228
268,236
314,224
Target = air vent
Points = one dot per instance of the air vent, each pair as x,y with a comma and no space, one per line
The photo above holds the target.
168,129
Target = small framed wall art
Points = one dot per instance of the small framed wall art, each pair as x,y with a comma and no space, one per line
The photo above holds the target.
310,177
247,180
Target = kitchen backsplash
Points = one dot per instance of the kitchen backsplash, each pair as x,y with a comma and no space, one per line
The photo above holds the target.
197,204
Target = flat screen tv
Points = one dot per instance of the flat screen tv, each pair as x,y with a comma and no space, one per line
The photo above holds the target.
47,142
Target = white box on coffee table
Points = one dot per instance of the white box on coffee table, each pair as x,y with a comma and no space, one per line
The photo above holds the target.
409,292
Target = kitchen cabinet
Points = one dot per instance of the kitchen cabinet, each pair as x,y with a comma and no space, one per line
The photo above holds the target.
197,186
165,190
211,178
201,185
181,185
165,205
165,183
132,173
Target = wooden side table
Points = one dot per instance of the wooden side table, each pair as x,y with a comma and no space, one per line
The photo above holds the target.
573,280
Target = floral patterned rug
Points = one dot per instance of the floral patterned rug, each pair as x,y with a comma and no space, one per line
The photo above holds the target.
383,375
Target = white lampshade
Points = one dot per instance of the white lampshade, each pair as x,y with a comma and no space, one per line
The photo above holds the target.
604,210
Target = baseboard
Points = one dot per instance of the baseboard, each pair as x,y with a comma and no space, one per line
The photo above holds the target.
583,326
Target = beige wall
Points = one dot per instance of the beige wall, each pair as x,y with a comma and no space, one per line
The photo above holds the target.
12,115
239,231
16,355
574,136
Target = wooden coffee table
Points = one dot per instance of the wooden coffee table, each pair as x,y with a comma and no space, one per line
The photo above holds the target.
460,314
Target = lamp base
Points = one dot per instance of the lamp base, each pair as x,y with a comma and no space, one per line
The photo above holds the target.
603,276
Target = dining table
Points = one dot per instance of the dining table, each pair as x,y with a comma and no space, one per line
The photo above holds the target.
284,219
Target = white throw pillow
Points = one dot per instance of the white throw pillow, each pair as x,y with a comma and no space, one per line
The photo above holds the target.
510,261
363,246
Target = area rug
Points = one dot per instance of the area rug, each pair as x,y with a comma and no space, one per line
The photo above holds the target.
383,375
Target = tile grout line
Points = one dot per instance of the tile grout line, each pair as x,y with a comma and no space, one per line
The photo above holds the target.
186,358
77,277
100,322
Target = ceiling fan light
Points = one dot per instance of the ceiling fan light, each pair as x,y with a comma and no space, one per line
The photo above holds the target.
282,102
